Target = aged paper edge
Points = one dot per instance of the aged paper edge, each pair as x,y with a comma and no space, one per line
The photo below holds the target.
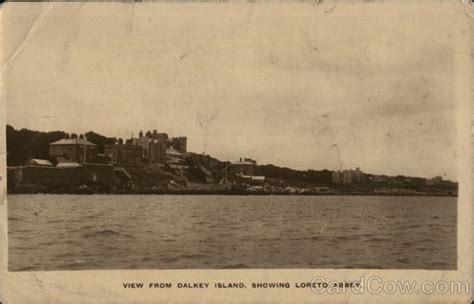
105,286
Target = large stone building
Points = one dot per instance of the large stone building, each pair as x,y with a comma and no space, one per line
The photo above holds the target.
157,150
152,147
74,150
244,166
179,144
337,177
157,136
143,142
124,154
155,146
348,177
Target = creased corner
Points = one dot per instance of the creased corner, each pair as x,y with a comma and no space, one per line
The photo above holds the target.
28,36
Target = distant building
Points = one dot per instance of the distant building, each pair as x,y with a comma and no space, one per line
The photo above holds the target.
158,136
337,177
35,162
157,150
123,154
179,143
243,167
348,177
144,142
73,149
155,145
433,181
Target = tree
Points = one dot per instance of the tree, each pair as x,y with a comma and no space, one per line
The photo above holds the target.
100,140
24,144
73,135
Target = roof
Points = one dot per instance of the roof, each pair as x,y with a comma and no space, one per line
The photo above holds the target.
72,141
68,165
42,162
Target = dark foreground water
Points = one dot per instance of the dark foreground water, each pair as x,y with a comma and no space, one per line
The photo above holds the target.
54,232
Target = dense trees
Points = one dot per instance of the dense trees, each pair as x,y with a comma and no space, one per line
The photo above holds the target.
100,140
271,171
24,144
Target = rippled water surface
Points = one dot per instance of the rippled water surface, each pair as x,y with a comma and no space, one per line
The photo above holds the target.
54,232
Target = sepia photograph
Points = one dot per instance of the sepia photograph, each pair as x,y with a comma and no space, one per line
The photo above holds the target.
212,136
119,159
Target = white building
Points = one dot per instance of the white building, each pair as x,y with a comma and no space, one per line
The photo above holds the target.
348,177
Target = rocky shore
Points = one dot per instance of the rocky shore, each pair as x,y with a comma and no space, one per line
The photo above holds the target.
205,189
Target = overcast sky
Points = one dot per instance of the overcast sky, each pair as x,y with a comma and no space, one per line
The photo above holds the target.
307,87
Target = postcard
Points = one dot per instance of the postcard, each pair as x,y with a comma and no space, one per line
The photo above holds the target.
236,151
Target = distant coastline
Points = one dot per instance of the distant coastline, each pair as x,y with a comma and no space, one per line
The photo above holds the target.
154,163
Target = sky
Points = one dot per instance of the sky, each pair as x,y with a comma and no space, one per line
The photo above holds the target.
306,87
